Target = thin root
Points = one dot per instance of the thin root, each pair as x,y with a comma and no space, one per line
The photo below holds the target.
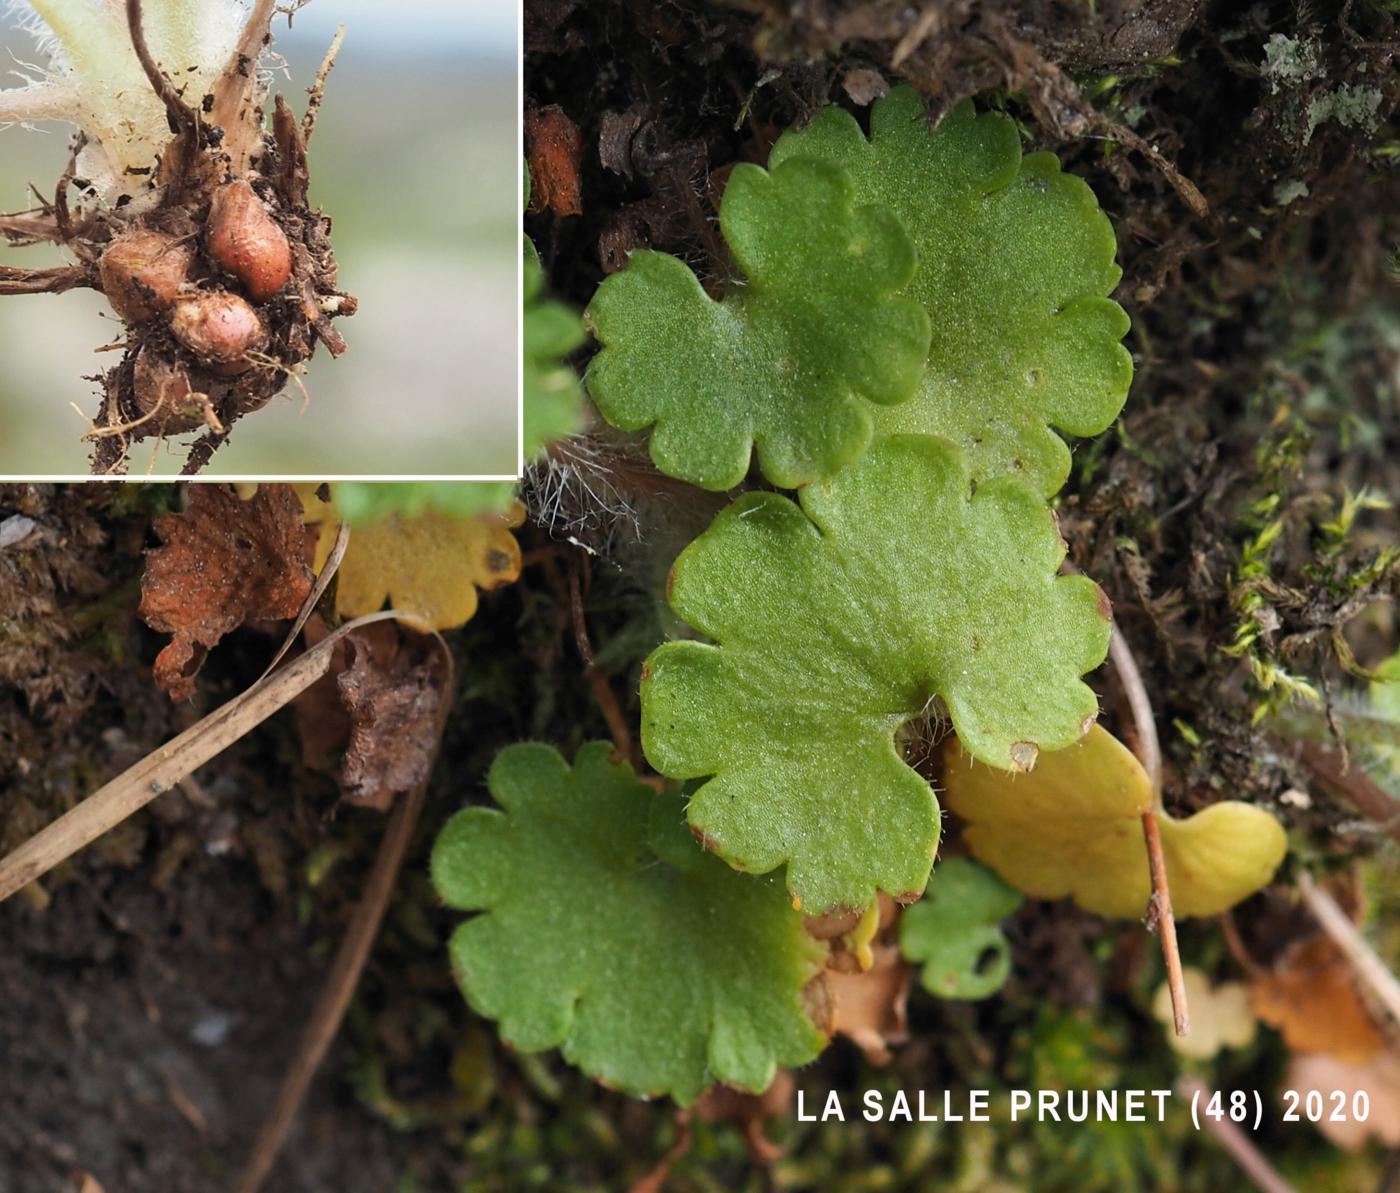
57,280
317,91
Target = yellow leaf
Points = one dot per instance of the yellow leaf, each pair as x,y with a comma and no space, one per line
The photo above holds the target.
1073,827
1220,1015
430,565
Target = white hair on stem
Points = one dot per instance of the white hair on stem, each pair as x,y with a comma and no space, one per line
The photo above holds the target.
40,101
94,80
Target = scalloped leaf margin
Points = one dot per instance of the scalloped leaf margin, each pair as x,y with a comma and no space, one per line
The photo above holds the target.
606,931
792,361
834,623
1016,263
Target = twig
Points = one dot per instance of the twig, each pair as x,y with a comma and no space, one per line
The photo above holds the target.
1146,746
1365,961
317,90
344,975
168,766
1248,1158
1161,919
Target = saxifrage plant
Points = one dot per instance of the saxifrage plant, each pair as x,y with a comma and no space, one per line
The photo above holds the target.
588,881
915,313
1016,262
189,215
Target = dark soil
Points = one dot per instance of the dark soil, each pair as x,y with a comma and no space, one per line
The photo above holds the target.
152,993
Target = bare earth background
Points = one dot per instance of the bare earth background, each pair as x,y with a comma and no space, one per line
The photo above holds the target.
416,160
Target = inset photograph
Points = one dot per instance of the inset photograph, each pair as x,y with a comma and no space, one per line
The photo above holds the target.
244,241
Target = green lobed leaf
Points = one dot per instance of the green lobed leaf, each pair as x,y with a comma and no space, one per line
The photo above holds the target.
552,395
362,502
837,622
608,932
955,931
792,362
1015,265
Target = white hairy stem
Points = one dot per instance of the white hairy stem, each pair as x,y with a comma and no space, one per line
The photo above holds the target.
95,80
40,101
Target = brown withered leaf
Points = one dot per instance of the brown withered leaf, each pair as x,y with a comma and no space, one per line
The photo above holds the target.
1338,1083
555,148
371,721
1311,997
870,1008
863,992
615,134
323,723
221,563
751,1113
393,708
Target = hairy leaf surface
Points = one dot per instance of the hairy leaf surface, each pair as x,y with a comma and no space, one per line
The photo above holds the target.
608,932
835,622
792,361
1016,262
1073,827
954,931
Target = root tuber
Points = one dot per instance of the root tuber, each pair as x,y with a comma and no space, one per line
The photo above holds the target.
143,272
247,242
221,329
163,393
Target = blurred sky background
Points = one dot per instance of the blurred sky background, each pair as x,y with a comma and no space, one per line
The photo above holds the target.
416,159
